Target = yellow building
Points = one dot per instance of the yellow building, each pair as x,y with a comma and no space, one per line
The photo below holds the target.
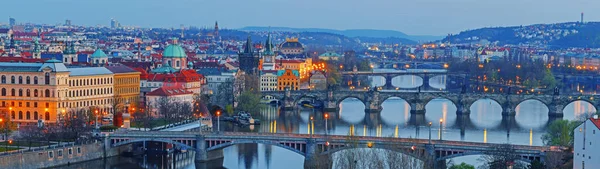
32,91
288,78
304,67
127,84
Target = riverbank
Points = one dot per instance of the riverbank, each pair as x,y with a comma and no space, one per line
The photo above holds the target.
44,157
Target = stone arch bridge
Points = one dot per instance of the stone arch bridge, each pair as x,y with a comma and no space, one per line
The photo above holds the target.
373,99
433,152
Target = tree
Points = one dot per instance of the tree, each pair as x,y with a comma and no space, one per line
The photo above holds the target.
503,156
224,94
143,119
462,166
549,81
249,102
560,133
536,164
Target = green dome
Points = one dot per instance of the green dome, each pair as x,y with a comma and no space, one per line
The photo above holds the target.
174,51
99,54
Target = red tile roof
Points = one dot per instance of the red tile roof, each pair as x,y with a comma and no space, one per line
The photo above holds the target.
596,122
169,91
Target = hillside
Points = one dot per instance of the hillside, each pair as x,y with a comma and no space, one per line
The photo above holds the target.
559,35
371,33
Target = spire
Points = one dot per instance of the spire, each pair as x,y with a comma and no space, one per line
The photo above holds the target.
36,46
248,48
269,46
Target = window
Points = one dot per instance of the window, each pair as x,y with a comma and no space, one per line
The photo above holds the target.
20,92
47,78
78,150
34,104
47,116
12,115
20,79
27,93
50,154
12,92
20,115
12,79
28,115
70,151
47,93
35,115
3,92
27,80
59,153
3,79
35,93
35,80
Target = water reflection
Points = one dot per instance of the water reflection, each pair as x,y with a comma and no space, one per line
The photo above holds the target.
577,110
531,114
486,113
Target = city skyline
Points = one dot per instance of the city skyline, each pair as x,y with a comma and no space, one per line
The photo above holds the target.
431,17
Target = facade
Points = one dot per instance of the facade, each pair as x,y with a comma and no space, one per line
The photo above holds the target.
318,81
249,60
586,148
329,56
32,91
171,93
288,79
127,84
291,46
215,77
268,80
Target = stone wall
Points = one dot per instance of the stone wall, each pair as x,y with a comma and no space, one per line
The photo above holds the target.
59,156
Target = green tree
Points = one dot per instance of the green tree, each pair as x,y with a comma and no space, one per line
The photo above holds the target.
549,81
536,164
560,133
364,65
229,109
462,166
249,101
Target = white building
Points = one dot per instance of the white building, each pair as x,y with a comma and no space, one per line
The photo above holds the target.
268,80
171,93
586,149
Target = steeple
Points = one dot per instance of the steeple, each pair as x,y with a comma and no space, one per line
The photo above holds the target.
248,47
269,46
216,33
36,50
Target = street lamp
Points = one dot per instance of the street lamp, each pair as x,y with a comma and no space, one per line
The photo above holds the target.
218,120
441,121
326,117
96,119
430,132
311,126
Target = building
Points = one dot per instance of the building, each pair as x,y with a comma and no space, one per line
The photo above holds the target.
99,58
170,93
586,148
249,60
268,60
329,56
268,80
318,81
32,91
215,77
126,84
288,78
70,54
174,55
291,46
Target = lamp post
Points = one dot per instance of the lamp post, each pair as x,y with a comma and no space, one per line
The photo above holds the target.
310,126
326,117
441,121
430,132
218,120
96,112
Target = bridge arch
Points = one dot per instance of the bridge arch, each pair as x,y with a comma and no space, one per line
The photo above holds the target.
415,81
121,143
415,154
579,114
270,98
495,100
470,153
265,142
297,99
340,100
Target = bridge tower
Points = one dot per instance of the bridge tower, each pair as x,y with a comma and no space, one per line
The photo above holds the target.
288,101
330,102
372,104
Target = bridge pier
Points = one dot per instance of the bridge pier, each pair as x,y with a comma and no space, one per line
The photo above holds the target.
417,107
204,156
388,82
330,106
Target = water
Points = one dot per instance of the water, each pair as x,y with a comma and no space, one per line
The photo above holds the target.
484,125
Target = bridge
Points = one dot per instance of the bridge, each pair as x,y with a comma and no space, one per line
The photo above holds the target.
208,145
373,99
352,78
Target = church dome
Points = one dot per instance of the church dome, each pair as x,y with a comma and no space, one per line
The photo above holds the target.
174,51
291,43
99,54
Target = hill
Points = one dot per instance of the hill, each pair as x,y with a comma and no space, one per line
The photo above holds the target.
559,35
372,33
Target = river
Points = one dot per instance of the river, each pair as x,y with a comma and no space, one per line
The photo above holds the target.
485,125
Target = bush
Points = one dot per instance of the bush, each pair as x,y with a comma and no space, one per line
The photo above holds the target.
108,128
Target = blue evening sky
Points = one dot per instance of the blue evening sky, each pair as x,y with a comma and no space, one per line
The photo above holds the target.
415,17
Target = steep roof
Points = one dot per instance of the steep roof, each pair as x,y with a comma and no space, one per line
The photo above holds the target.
169,91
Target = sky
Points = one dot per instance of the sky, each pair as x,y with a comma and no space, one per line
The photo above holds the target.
413,17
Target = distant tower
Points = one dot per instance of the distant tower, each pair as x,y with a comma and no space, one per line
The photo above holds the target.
216,33
249,60
13,47
182,28
12,22
69,54
582,18
67,22
37,52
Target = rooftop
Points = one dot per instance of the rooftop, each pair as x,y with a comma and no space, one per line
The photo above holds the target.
121,69
86,71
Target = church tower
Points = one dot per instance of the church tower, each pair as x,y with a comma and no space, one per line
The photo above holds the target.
69,54
248,59
216,33
37,52
13,47
269,55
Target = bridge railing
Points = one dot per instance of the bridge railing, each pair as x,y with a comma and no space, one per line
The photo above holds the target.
49,147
